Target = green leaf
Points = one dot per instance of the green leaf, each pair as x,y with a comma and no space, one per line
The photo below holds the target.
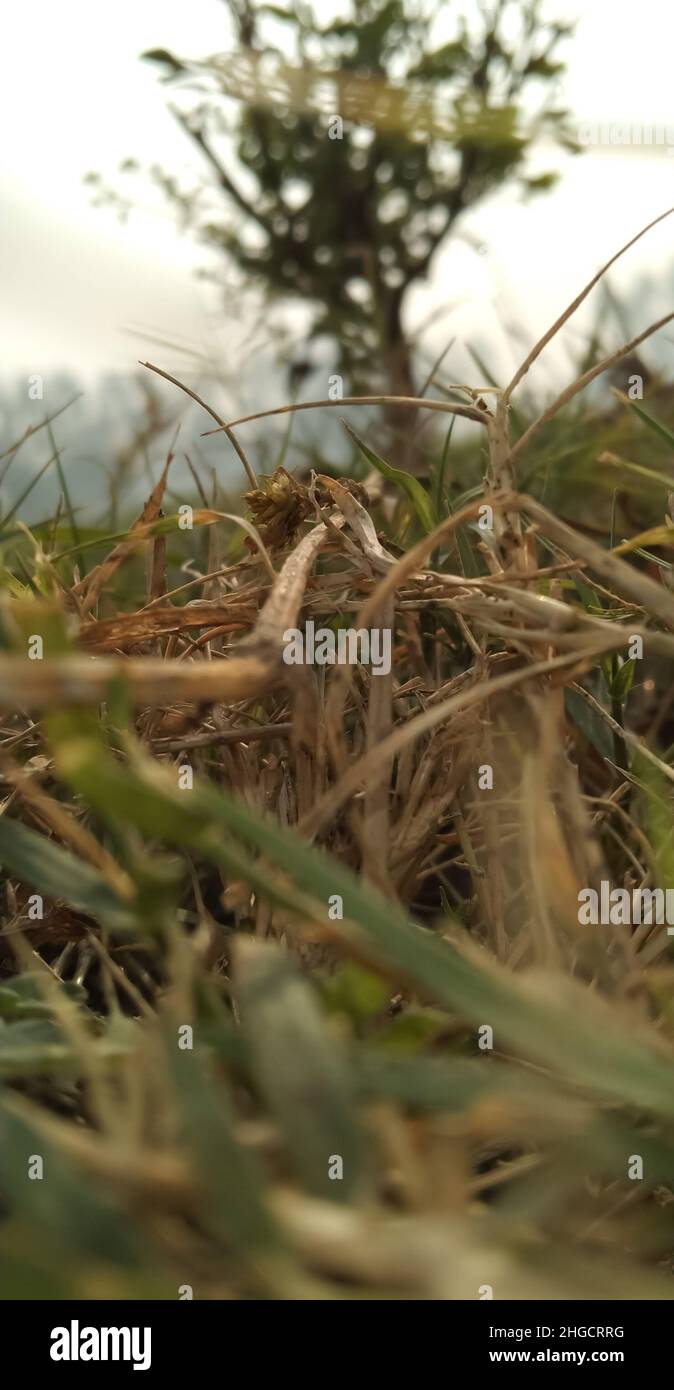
414,1030
166,59
33,1046
411,486
231,1179
589,722
588,596
21,997
59,875
300,1070
656,808
622,681
543,67
355,992
75,1218
440,502
655,425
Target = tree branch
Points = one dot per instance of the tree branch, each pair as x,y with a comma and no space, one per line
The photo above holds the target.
224,179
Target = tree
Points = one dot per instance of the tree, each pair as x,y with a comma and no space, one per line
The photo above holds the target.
356,150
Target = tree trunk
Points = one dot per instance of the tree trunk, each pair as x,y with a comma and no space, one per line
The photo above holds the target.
400,422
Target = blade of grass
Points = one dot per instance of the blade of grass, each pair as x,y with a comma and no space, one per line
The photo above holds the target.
299,1069
42,864
422,503
655,425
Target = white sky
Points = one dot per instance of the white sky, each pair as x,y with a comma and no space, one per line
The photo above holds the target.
74,97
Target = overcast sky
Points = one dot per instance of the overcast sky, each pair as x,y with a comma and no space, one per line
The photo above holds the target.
74,97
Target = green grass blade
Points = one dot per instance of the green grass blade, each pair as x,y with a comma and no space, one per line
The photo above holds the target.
301,1072
440,503
655,425
59,875
417,495
231,1180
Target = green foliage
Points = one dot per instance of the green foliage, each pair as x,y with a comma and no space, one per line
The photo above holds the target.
422,503
58,874
343,200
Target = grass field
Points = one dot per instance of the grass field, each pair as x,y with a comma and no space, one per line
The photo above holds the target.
296,1000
